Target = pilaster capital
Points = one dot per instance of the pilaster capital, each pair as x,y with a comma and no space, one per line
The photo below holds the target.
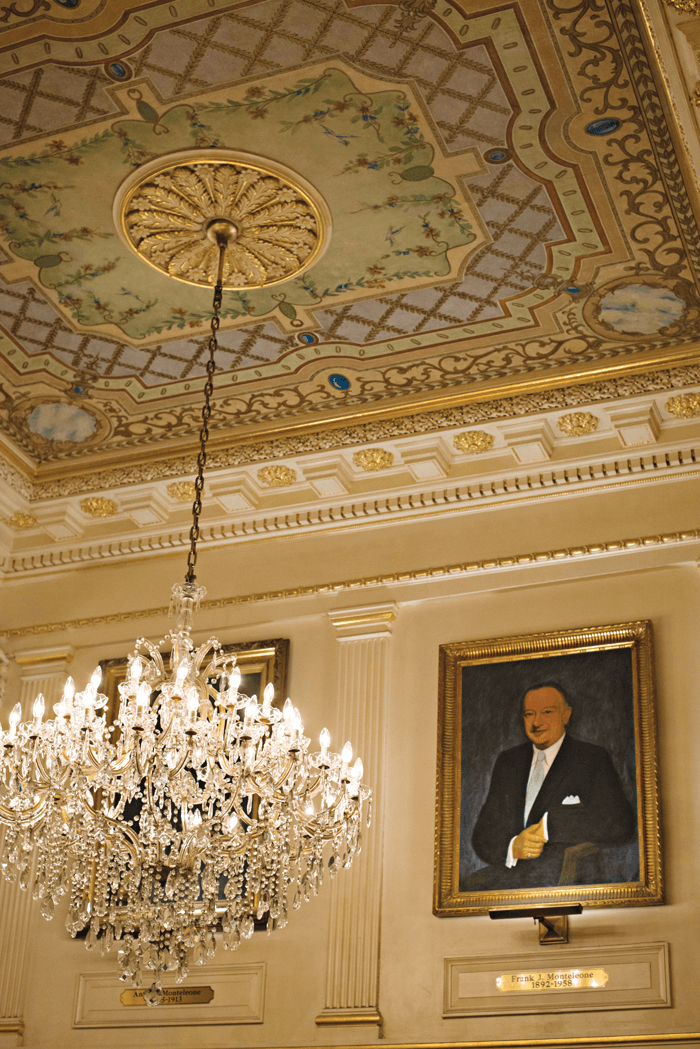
42,661
364,621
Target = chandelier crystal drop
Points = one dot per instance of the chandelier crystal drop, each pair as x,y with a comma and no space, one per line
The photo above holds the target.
196,811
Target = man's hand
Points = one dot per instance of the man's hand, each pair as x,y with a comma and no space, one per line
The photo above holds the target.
529,843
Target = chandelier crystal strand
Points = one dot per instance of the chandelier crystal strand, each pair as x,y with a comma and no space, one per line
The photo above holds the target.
198,811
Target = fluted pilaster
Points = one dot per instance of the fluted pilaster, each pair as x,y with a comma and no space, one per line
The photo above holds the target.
352,980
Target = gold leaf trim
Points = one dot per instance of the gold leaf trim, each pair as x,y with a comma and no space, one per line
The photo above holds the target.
99,506
578,424
22,521
277,476
686,7
684,406
371,459
474,442
182,491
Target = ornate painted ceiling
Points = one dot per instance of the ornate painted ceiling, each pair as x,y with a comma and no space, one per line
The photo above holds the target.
509,213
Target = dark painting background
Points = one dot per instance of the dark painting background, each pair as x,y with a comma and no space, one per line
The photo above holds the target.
600,689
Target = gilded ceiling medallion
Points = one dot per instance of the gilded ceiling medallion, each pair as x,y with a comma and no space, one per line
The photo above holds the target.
473,442
277,476
373,459
684,406
182,491
577,424
168,212
99,506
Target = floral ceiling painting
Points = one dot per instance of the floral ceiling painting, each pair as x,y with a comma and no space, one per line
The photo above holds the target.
396,219
501,207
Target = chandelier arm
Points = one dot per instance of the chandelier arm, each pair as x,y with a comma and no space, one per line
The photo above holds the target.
178,768
128,837
92,760
41,768
9,818
206,415
136,756
210,645
149,790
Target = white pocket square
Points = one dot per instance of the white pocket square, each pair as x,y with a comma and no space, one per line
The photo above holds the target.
571,799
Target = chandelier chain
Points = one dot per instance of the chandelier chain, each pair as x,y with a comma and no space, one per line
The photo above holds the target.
204,436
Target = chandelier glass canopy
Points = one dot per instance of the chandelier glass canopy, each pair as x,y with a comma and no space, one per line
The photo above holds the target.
196,811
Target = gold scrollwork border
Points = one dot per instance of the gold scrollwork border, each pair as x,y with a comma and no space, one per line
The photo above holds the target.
448,901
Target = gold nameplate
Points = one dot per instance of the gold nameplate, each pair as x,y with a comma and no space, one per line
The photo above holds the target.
171,996
558,980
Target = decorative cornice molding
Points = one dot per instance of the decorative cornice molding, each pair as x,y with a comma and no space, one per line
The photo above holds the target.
348,513
320,440
686,7
615,546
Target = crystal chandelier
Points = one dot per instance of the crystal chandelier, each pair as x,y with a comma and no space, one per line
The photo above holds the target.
198,810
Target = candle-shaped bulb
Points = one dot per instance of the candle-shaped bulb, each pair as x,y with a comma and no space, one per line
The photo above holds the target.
288,714
196,819
39,707
325,739
357,770
268,696
251,708
346,753
96,677
235,679
183,669
135,672
297,723
192,701
15,716
143,694
89,696
69,691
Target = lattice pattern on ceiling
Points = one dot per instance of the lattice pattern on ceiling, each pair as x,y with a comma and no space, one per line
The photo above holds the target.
465,100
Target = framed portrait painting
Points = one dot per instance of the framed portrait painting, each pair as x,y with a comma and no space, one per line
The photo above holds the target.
546,778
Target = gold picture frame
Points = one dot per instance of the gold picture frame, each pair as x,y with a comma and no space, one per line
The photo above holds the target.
261,662
606,674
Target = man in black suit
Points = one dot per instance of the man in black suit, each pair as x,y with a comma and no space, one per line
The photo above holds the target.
545,796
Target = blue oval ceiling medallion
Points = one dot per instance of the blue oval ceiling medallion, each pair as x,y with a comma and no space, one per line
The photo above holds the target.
606,126
118,70
497,156
341,382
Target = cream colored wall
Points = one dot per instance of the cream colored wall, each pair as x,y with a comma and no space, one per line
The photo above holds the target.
660,582
671,599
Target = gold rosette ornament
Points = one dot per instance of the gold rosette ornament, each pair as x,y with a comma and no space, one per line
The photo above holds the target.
169,211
